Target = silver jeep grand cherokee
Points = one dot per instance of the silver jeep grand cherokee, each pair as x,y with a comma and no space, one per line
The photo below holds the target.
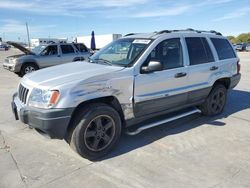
136,78
44,56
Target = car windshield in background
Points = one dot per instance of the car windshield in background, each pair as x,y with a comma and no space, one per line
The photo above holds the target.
121,52
38,49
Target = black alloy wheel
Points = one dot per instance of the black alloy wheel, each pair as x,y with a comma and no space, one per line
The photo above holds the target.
99,133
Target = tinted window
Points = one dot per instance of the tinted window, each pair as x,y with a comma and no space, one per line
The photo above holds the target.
81,47
223,48
198,50
169,53
50,50
66,49
210,57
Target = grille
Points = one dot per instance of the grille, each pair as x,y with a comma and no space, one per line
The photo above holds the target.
23,93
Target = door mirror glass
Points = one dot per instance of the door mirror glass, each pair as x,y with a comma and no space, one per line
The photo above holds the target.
152,67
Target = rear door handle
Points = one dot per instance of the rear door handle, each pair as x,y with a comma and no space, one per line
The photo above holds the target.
180,74
213,68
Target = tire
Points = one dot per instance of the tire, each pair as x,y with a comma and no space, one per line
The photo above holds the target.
97,130
28,68
215,102
79,59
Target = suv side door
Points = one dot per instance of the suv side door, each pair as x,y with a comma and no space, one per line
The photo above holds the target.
49,56
202,66
166,89
68,53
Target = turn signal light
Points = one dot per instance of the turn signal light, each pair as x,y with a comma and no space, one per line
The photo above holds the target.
54,97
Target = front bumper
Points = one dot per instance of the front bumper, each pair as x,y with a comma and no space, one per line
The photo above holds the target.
52,122
234,80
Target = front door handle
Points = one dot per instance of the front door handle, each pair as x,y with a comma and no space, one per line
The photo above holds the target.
180,74
213,68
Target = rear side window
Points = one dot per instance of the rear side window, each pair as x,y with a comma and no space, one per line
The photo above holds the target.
223,48
67,49
199,50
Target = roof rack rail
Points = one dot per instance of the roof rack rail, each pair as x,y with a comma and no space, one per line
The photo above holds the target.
129,34
189,29
164,31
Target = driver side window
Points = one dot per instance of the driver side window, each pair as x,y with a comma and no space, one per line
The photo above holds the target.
50,50
168,53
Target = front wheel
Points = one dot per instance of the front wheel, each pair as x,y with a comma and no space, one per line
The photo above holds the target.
28,68
97,130
215,101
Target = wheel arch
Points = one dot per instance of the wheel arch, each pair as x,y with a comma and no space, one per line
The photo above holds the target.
30,62
109,100
79,59
226,81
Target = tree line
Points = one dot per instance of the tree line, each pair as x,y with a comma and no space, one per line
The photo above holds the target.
244,37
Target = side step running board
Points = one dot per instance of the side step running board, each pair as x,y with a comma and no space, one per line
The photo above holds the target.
137,131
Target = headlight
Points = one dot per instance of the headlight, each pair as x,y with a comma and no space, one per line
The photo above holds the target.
43,98
15,61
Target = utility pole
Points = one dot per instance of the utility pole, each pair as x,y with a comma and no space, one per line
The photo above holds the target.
28,34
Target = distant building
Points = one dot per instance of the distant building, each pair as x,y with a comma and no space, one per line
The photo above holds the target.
40,41
100,40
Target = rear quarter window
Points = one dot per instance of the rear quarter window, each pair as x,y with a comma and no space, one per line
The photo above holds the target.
223,48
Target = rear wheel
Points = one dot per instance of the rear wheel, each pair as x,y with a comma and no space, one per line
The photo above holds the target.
215,101
96,132
28,68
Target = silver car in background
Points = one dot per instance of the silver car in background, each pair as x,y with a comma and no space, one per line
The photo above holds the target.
45,56
248,48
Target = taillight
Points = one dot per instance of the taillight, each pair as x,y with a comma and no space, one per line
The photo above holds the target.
238,66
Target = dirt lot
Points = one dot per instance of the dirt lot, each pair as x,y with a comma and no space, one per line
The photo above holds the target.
193,152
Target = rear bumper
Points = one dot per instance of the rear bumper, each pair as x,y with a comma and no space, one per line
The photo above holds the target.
234,80
52,122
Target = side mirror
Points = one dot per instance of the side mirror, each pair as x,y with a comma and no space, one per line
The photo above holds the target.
152,67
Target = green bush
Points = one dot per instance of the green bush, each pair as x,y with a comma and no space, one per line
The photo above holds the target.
244,37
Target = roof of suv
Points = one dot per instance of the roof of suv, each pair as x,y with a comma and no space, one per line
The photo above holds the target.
62,43
155,35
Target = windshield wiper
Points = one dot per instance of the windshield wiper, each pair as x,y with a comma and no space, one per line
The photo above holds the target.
104,61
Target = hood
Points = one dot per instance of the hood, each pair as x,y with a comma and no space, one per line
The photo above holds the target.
15,56
20,47
69,72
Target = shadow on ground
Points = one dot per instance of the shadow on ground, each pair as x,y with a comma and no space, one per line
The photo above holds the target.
237,101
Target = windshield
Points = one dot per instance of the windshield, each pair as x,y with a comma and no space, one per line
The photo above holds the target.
38,49
121,52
